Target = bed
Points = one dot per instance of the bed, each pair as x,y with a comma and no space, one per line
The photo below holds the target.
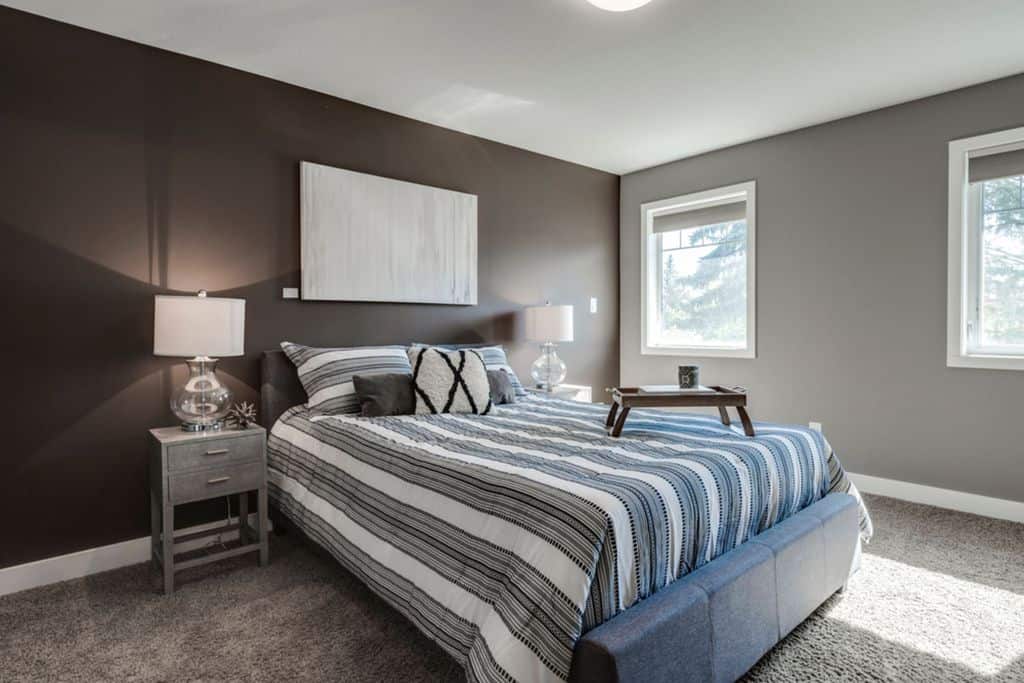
533,548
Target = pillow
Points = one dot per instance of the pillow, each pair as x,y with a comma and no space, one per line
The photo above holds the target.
502,390
494,358
387,394
326,374
449,381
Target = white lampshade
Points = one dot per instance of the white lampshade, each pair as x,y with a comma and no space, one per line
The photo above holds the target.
188,326
549,323
618,5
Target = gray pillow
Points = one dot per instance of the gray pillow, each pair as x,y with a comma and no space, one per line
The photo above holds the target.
502,389
386,394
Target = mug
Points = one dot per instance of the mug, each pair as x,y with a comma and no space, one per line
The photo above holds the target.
689,376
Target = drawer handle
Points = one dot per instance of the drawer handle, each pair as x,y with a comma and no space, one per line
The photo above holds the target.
218,480
217,451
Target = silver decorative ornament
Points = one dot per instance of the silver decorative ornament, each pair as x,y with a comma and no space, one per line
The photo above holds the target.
242,415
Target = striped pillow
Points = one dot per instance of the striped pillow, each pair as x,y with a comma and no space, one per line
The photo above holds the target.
326,374
494,359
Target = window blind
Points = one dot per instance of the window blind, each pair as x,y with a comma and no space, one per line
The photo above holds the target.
993,166
696,218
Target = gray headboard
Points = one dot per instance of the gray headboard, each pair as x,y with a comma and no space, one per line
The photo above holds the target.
279,387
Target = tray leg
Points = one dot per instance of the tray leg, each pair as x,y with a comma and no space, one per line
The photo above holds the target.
621,422
611,415
748,426
724,414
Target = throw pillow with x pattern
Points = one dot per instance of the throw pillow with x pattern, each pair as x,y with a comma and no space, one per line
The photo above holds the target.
449,381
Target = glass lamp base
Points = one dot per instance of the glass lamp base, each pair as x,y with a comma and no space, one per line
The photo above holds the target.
203,402
548,371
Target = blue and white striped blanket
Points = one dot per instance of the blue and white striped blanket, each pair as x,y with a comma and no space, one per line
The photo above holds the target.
504,537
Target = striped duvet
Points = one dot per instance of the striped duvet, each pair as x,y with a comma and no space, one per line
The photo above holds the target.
505,537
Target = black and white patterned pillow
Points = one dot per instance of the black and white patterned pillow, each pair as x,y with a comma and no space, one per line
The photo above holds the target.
494,358
326,374
449,381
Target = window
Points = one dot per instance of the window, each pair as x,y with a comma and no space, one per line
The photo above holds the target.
697,264
986,251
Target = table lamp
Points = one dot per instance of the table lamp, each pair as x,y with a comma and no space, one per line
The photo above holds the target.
548,324
199,328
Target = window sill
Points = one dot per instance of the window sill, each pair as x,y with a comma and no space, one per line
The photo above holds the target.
986,362
699,352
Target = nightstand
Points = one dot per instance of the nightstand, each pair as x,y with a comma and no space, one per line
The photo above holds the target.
188,466
568,392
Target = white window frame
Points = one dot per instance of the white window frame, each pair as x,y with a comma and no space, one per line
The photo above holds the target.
650,267
964,253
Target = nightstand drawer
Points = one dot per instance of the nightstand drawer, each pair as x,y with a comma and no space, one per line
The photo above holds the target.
219,481
191,456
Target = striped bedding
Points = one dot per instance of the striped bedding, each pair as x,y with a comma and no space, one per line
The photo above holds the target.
504,537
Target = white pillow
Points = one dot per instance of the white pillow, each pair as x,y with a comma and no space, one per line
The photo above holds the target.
494,357
449,381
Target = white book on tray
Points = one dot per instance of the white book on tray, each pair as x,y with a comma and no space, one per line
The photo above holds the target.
674,389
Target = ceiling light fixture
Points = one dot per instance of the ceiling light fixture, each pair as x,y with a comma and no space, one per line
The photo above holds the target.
618,5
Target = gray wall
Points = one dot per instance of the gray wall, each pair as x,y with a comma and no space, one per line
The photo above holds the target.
851,292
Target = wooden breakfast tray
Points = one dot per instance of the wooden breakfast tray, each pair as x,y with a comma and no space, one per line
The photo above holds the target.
625,398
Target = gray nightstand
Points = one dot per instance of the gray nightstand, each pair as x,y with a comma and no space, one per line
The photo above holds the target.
190,466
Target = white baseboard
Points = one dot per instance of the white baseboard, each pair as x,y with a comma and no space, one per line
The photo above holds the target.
95,560
943,498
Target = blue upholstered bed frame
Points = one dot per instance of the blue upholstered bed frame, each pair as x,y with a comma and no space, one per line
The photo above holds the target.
715,623
712,624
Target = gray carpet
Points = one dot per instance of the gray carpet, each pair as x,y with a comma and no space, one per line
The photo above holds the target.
940,598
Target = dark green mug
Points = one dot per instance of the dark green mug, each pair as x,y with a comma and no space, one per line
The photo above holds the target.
689,376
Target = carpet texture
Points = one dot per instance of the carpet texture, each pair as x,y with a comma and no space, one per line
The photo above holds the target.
940,597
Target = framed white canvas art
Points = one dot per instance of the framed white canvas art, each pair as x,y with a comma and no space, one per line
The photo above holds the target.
368,238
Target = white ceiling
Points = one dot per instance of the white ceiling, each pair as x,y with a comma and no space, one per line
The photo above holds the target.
616,91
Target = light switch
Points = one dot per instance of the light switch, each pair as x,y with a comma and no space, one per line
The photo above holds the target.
593,304
290,293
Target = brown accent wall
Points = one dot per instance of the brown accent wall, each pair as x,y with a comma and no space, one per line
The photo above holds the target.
129,171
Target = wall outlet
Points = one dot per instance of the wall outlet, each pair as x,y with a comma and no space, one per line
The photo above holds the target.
816,426
290,293
593,304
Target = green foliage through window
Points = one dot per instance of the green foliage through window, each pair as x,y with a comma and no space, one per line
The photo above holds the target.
1002,262
703,287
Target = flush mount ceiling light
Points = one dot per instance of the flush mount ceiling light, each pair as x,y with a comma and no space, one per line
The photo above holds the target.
618,5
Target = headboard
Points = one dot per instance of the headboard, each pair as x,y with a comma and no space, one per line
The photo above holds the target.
279,387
